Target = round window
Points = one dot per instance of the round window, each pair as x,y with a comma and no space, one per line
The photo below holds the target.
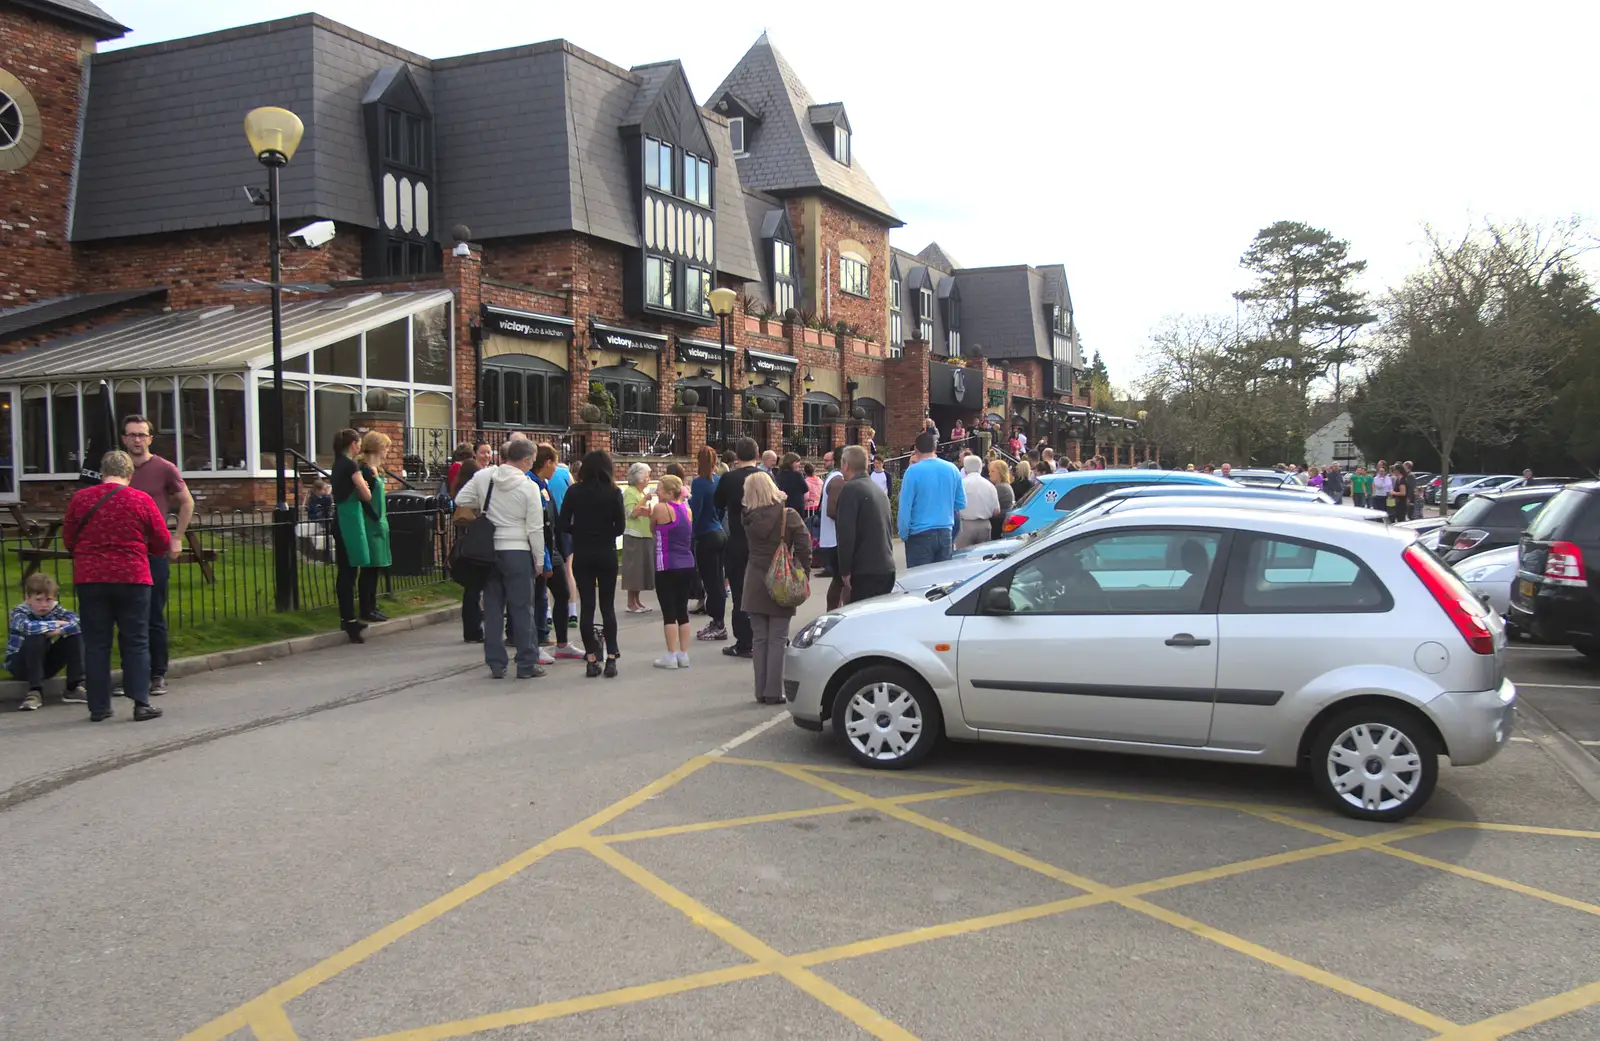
10,122
20,135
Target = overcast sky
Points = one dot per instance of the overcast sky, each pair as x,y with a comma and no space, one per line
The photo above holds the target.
1142,145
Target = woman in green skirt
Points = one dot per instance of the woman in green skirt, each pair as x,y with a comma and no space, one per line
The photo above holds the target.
361,531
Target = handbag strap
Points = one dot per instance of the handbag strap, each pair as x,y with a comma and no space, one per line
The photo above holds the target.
115,488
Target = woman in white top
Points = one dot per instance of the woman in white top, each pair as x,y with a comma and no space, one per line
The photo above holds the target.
1382,487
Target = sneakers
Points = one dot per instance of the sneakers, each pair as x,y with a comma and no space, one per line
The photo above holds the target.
683,659
735,652
545,657
566,650
74,695
144,712
712,632
158,686
666,661
591,670
32,703
535,673
611,668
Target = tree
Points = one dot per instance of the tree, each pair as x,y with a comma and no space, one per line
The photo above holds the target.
1099,382
1469,342
1305,298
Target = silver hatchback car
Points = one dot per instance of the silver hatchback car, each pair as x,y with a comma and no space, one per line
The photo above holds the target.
1279,638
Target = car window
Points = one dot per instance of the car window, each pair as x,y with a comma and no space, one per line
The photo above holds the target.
1562,514
1136,572
1276,574
1476,511
1089,491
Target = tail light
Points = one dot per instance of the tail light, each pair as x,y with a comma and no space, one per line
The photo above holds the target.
1451,594
1563,565
1470,538
1013,522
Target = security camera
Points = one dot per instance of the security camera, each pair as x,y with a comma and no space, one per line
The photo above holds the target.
314,235
462,250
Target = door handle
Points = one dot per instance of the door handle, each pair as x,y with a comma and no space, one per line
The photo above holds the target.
1187,640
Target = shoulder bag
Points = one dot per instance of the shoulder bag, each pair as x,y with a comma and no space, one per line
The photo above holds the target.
472,552
788,583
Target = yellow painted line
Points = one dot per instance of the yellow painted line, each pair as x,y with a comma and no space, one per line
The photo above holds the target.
1533,829
271,1023
363,949
573,1006
1518,1019
848,1006
1349,988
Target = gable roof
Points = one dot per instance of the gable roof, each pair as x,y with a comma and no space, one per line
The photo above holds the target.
80,14
1002,312
785,154
934,254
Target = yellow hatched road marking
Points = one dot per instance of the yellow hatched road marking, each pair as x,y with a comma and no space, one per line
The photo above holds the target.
1530,1015
1533,829
271,1023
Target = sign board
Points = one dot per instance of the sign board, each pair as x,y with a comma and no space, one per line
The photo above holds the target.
701,351
609,337
761,361
529,325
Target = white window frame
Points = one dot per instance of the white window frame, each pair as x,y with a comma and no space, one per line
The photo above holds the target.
855,260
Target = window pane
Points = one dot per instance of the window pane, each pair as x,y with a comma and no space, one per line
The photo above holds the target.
711,244
736,133
489,395
294,422
668,180
557,410
196,401
393,123
666,284
649,224
672,229
652,162
704,195
419,141
430,345
129,401
227,396
1281,575
163,415
35,431
511,398
652,279
339,359
67,457
691,178
335,405
386,352
1161,572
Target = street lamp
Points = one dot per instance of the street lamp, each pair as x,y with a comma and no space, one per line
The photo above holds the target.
274,134
722,304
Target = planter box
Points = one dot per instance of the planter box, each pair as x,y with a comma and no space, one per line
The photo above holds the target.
752,324
812,337
858,346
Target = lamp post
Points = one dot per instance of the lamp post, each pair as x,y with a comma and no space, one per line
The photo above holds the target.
722,304
274,134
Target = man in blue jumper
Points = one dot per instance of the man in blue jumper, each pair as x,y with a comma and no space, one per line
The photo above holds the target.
930,496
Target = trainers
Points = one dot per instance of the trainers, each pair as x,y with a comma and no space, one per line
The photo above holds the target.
95,717
735,652
32,703
158,685
118,692
144,712
683,659
534,673
74,695
566,650
666,661
712,632
545,657
611,668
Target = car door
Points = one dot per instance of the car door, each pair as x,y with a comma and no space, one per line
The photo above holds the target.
1111,635
1292,612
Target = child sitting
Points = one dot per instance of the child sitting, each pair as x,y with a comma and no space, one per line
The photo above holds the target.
44,639
320,505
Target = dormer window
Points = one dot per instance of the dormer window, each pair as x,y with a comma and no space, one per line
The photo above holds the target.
736,135
832,126
783,286
841,145
405,139
658,165
925,315
896,327
399,132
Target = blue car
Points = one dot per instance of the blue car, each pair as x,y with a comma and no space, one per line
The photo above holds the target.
1058,494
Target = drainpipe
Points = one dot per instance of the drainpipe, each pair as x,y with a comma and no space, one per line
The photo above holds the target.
827,283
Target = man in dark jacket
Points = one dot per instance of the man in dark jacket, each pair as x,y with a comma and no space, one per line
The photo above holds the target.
729,500
865,556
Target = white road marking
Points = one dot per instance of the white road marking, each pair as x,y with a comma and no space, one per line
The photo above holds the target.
754,732
1559,686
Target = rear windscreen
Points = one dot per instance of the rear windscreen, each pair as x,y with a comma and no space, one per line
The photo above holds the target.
1562,517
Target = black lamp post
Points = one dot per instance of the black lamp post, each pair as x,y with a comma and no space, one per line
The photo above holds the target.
274,134
722,304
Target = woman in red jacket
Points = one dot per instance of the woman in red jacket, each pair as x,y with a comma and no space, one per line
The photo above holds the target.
112,531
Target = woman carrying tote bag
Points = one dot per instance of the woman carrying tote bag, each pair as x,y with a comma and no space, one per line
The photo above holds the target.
768,524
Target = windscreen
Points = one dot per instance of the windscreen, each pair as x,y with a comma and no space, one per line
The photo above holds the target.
1563,512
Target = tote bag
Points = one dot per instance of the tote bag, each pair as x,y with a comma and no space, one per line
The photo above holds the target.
472,553
788,583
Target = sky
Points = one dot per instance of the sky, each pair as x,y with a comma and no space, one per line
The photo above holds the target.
1142,145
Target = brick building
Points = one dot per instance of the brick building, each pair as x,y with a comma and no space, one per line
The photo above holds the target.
519,233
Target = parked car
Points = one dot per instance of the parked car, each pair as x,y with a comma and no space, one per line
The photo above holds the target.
1494,483
1490,520
1427,529
1162,632
1265,478
1060,493
1430,494
1490,576
1555,599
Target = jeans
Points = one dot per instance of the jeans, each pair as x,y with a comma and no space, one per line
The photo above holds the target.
160,574
708,558
769,637
125,606
734,566
508,597
865,587
345,584
596,575
928,547
560,599
541,604
40,658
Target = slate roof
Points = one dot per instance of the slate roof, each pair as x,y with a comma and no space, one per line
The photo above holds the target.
44,315
80,13
935,255
786,155
914,274
1002,312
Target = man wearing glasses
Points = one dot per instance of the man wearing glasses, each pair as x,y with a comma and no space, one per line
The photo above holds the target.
160,480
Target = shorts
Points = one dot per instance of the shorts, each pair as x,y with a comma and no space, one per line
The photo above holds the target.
672,591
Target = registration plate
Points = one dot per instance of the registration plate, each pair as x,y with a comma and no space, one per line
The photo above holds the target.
1525,588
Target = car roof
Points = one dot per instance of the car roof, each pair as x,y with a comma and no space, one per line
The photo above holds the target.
1259,472
1325,524
1233,502
1295,493
1156,477
1537,491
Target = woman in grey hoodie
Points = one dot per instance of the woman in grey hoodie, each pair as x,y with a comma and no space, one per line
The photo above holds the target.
516,508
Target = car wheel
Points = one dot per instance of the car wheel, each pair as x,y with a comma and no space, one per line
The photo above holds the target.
887,717
1375,762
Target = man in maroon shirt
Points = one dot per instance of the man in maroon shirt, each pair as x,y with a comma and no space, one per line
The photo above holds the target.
160,480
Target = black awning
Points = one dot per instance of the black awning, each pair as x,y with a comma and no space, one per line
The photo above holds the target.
616,338
532,325
707,352
763,361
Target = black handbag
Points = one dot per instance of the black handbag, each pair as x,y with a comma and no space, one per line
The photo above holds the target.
472,553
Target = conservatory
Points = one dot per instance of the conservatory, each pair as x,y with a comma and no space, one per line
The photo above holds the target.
204,379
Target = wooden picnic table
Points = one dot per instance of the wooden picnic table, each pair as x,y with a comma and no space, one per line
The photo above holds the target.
42,536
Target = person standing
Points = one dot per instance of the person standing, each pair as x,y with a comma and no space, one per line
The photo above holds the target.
560,481
673,524
1382,497
792,483
769,461
981,507
1400,508
729,501
113,531
515,506
813,510
880,477
591,512
637,573
550,575
352,496
1333,484
930,497
1414,506
471,586
864,555
828,530
1000,477
1022,481
769,523
375,514
709,541
159,479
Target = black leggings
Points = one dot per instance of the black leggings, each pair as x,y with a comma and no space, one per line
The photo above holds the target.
596,575
672,590
708,558
345,584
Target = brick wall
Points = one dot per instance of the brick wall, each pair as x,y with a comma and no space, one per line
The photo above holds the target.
820,226
35,256
907,378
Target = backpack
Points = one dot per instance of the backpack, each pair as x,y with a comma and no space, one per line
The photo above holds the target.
788,583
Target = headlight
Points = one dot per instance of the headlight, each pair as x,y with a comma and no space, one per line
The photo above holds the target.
814,630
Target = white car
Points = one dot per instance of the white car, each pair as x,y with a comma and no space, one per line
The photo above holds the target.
1162,631
1490,575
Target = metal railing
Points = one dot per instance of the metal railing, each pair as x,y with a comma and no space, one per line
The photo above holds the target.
647,433
735,429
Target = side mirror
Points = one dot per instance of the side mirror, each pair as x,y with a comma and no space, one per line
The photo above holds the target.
997,600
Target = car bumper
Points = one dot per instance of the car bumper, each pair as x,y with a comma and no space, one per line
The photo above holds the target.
805,676
1555,614
1475,724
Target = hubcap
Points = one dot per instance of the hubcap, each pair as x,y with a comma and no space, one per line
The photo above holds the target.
1374,766
883,721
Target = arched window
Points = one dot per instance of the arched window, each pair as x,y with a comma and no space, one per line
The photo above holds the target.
632,390
520,390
